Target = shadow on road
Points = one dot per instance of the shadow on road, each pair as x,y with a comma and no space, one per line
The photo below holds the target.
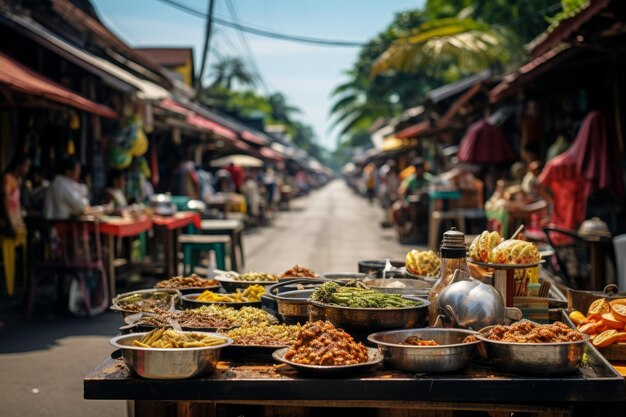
19,334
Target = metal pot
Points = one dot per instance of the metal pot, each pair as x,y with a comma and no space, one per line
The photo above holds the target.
470,304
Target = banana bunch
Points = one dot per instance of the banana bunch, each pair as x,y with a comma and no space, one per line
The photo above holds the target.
481,249
424,263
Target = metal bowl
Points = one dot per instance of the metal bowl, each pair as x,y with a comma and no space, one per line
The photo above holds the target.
192,290
417,287
345,276
374,357
294,306
231,284
189,301
172,363
371,319
533,358
119,302
451,355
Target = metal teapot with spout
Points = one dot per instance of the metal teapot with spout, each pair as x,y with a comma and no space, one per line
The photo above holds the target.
471,304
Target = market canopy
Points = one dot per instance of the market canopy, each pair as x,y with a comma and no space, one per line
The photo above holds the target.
198,120
19,78
245,161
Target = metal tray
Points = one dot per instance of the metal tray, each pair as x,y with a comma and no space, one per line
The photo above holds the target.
375,357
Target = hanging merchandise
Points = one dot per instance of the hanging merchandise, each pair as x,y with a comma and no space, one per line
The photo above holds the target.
144,167
74,121
71,149
119,158
140,146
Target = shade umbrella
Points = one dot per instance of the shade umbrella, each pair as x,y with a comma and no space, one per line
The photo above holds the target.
245,161
484,143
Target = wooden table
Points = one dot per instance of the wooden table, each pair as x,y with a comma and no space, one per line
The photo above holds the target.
170,226
279,390
114,227
234,229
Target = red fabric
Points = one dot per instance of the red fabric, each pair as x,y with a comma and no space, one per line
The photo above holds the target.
238,175
592,154
178,220
484,143
561,176
125,228
22,79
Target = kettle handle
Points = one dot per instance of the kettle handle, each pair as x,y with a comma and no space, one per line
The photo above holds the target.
513,313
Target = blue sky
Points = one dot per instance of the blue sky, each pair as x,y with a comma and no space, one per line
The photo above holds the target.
306,74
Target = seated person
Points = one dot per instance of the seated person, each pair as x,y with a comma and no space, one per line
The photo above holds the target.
66,197
115,190
404,213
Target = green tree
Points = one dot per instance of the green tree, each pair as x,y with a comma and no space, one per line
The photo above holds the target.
229,70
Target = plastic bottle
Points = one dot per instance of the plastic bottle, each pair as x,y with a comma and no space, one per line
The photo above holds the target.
452,253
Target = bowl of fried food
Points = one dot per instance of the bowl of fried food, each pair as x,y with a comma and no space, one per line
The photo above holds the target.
427,350
169,354
250,297
189,285
527,347
297,272
422,264
323,349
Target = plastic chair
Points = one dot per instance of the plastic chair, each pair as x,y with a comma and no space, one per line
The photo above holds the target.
581,261
619,245
193,245
75,250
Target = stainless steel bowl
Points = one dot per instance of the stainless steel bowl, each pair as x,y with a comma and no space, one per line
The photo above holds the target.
294,306
451,355
371,319
417,287
231,284
175,363
119,302
533,358
189,301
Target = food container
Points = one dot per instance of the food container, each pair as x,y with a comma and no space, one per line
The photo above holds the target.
290,299
416,287
230,284
369,320
344,276
533,358
170,363
377,265
189,301
120,302
451,355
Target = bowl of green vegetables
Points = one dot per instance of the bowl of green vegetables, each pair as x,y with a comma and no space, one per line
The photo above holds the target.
358,308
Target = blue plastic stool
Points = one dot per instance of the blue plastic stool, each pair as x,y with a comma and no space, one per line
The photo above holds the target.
193,245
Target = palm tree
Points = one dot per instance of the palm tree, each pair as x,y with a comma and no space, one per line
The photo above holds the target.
461,41
232,69
281,110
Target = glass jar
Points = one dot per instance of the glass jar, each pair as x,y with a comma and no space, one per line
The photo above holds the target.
452,253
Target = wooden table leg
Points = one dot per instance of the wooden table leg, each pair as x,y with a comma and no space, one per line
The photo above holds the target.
169,253
239,238
111,264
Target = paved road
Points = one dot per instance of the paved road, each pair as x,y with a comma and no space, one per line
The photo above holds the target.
328,231
43,361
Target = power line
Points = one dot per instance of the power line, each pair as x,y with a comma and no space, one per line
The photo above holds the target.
248,55
263,32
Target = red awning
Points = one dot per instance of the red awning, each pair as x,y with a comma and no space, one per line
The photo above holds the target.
20,78
252,138
413,130
269,153
197,120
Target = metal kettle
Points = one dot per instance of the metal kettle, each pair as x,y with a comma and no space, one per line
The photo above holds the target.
470,304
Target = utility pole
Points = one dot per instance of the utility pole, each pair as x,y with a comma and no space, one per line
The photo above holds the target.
205,49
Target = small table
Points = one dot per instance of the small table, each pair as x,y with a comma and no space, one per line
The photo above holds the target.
232,228
114,227
170,225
